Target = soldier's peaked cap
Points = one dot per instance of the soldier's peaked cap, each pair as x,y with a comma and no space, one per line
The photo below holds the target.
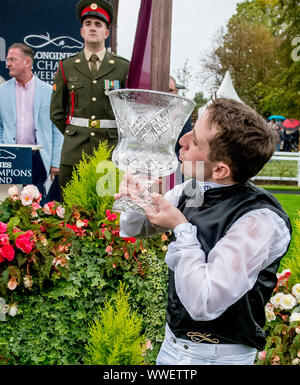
98,8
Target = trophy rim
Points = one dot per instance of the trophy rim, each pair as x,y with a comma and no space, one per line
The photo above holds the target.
152,92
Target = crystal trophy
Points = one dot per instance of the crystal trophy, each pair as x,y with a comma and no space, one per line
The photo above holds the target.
149,123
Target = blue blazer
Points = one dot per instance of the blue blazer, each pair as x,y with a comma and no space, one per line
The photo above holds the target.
46,133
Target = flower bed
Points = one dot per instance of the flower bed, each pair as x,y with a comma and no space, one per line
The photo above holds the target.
283,324
63,268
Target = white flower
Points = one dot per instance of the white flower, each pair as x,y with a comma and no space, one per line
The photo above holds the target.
296,290
295,317
80,223
60,211
288,301
26,198
297,330
28,282
12,283
47,209
275,300
13,310
296,361
270,315
12,191
283,273
32,190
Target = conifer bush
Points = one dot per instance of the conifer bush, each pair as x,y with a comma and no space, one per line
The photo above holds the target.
116,335
93,183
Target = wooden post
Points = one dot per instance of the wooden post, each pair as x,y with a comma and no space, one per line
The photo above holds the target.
114,27
161,44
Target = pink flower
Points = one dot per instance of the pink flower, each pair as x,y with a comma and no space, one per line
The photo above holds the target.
48,208
111,217
60,211
12,283
24,243
283,278
35,206
109,250
8,252
4,239
262,355
3,227
164,237
13,191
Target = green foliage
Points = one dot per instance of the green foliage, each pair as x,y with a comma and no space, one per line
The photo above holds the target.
292,260
53,321
199,99
257,49
37,241
115,336
93,183
283,325
52,326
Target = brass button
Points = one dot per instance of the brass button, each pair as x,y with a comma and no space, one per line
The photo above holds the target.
92,134
94,123
94,99
93,117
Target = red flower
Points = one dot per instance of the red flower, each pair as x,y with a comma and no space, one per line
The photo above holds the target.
129,240
24,243
8,252
77,230
4,239
111,217
3,227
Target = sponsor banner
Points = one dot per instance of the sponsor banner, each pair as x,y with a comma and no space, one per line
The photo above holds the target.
51,28
15,165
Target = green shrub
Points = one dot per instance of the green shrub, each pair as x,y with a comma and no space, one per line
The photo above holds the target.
115,336
93,183
292,259
52,325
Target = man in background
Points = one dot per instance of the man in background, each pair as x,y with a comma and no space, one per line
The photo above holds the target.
25,117
173,89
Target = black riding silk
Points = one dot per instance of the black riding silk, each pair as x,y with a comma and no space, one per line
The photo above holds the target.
243,322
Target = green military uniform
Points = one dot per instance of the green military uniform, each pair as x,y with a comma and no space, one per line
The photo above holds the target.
81,109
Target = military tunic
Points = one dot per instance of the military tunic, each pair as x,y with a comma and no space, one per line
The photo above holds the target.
77,93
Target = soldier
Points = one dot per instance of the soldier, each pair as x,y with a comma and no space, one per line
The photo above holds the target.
80,106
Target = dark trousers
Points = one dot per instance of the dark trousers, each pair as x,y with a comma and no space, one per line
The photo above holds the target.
39,177
65,175
39,174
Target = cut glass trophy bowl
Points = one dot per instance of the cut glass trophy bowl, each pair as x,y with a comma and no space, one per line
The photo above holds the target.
149,123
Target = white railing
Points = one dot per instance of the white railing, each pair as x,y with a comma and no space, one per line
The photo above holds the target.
279,156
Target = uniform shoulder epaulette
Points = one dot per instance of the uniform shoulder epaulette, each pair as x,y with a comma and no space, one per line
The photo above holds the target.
120,57
68,58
